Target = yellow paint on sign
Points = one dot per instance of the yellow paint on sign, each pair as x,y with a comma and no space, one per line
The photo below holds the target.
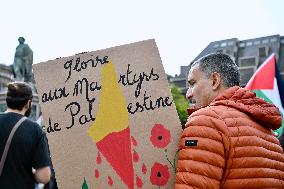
112,115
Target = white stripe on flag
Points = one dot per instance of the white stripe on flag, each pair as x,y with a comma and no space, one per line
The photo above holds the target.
274,96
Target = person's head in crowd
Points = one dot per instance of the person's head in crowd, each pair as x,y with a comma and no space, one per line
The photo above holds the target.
209,76
19,97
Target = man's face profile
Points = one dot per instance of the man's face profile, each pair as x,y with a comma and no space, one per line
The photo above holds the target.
199,88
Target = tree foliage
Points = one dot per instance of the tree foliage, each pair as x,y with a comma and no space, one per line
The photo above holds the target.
181,104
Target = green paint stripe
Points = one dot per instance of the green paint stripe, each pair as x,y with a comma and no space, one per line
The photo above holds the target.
84,185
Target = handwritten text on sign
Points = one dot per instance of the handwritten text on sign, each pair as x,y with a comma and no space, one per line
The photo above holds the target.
84,86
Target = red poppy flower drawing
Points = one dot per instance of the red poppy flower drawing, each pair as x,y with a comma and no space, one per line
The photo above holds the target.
144,169
134,142
99,159
110,181
160,136
159,174
139,182
135,156
97,173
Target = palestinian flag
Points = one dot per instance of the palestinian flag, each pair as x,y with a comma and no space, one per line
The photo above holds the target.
110,131
266,83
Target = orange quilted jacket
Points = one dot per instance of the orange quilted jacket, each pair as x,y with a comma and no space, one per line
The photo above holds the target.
230,145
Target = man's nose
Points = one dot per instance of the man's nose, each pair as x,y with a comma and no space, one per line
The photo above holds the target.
189,94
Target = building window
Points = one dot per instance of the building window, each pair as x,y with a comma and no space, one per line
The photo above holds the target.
219,51
246,74
249,43
256,42
230,43
248,61
262,51
265,41
247,66
274,39
242,45
216,45
224,44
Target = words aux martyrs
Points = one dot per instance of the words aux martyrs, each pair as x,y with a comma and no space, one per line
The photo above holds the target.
108,118
74,107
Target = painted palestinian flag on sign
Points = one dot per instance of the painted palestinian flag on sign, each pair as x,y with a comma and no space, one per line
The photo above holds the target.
110,131
266,83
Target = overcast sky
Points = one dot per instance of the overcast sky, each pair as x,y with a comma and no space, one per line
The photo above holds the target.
181,28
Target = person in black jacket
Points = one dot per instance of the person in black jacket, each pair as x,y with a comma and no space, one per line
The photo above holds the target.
29,149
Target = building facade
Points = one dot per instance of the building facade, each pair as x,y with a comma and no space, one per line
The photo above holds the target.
6,76
249,55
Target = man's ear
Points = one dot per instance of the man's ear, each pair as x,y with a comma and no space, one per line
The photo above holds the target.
216,80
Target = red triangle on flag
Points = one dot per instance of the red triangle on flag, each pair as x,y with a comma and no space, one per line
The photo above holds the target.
264,76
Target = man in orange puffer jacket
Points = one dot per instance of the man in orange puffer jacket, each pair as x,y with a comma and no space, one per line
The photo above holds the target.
228,141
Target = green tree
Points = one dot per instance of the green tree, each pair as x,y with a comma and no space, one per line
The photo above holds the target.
181,104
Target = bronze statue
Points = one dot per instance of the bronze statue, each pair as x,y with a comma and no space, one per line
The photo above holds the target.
23,61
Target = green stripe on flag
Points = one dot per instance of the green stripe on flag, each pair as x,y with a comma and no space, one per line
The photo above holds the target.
260,94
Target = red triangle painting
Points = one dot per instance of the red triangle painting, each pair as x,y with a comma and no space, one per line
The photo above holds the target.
116,148
110,130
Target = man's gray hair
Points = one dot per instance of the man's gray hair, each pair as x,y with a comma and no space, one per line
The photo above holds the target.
222,64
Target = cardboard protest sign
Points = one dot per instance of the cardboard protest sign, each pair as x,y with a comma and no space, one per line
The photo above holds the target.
110,118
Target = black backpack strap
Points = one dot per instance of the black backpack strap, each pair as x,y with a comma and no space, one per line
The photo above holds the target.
8,143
